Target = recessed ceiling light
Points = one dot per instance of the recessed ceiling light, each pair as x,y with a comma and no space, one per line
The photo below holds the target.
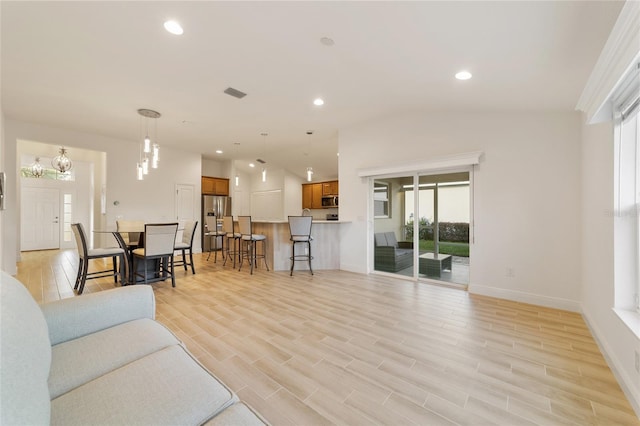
218,151
318,102
251,165
463,75
173,27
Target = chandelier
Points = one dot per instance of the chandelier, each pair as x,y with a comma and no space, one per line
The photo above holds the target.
148,148
61,162
36,168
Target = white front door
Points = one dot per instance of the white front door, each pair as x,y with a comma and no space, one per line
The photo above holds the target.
40,223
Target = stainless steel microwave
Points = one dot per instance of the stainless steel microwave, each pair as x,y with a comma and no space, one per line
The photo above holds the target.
331,201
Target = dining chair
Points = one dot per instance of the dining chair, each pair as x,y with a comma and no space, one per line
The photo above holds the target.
300,232
85,254
130,231
228,227
159,239
186,243
250,240
213,233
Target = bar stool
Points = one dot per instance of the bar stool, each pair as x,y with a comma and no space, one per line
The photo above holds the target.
213,233
300,230
227,227
250,239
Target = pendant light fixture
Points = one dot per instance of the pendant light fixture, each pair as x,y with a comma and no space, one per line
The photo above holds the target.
156,156
149,148
264,149
237,178
36,168
61,162
309,169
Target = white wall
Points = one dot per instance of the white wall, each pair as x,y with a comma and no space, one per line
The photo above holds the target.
241,194
292,195
213,168
10,228
282,193
151,200
2,169
527,195
616,338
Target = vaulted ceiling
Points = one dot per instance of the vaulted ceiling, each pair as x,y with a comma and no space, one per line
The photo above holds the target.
89,66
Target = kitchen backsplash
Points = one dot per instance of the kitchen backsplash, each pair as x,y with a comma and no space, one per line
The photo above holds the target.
321,214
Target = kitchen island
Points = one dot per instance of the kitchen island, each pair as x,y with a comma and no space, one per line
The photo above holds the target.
325,247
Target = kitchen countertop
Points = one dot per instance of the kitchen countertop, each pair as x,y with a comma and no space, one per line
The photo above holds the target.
313,221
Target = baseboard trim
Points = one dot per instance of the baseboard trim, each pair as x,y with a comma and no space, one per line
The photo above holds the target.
352,267
519,296
632,394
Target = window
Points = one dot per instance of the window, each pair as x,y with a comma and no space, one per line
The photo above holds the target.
67,218
627,197
381,208
48,173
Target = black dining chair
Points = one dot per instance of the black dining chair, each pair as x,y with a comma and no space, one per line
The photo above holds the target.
130,231
186,244
85,254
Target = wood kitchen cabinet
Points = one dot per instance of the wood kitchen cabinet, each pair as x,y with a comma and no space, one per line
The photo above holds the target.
312,193
330,188
215,186
312,196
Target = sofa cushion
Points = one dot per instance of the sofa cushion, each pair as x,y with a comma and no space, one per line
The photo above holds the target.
184,392
381,239
81,360
25,357
236,415
391,239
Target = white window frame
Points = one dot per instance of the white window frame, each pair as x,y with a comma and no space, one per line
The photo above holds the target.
382,197
627,196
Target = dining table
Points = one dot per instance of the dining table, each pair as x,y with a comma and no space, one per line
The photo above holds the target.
128,273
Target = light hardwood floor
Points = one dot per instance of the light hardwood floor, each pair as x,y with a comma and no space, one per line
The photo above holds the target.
344,348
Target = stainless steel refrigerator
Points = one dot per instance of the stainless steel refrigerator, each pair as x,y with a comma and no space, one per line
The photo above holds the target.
214,205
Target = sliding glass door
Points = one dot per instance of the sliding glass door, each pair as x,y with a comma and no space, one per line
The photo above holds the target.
423,233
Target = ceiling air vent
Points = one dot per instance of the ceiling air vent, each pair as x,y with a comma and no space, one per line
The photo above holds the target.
235,93
261,161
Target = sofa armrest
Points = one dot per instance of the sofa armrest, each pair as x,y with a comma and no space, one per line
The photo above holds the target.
78,316
405,244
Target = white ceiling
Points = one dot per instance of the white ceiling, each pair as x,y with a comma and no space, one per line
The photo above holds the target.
89,66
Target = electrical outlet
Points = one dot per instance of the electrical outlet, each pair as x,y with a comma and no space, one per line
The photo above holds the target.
637,362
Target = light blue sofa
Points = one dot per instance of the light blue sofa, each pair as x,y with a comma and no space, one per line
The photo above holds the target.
101,358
